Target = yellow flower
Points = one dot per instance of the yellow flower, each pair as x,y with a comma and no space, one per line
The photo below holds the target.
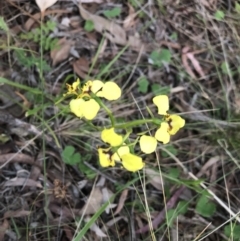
162,133
175,123
132,162
72,89
82,108
92,86
105,158
110,91
111,137
120,152
162,103
148,144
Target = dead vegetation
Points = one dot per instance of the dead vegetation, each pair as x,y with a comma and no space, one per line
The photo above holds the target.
189,51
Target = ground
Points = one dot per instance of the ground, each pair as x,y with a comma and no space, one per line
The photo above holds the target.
59,177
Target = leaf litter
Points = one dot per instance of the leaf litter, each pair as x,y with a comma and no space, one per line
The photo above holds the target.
179,29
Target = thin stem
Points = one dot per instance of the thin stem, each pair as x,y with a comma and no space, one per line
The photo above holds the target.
137,123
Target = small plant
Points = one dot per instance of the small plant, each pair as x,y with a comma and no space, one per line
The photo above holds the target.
115,12
41,35
117,148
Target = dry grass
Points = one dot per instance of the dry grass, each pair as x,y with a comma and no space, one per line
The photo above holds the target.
42,198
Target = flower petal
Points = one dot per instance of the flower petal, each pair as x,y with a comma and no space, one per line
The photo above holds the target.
162,133
132,162
110,91
148,144
76,107
104,158
72,89
87,87
120,152
111,137
162,103
175,123
90,109
96,86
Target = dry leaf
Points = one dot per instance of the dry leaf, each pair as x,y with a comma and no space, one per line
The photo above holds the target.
154,178
3,228
190,55
94,202
44,4
121,202
112,31
129,20
95,228
62,50
22,182
81,67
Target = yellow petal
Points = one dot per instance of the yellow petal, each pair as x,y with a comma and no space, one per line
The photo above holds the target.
76,107
104,158
75,85
111,137
120,152
162,103
110,91
148,144
162,133
87,87
175,123
90,109
72,89
132,162
96,86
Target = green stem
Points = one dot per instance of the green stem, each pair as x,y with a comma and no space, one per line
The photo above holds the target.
137,123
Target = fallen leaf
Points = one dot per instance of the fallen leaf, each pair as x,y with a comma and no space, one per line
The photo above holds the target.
112,31
81,67
121,202
190,55
3,228
95,228
16,214
44,4
22,182
129,21
61,51
154,178
93,203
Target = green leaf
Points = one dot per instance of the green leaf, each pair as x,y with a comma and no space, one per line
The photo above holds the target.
237,7
69,157
173,172
174,36
3,25
159,58
112,13
205,207
171,149
89,25
172,214
232,231
225,68
143,84
157,89
219,15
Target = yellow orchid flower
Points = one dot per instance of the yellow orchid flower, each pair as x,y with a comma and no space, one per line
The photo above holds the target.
148,144
162,133
105,157
84,108
132,162
92,86
120,152
111,137
162,103
110,91
73,88
175,123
